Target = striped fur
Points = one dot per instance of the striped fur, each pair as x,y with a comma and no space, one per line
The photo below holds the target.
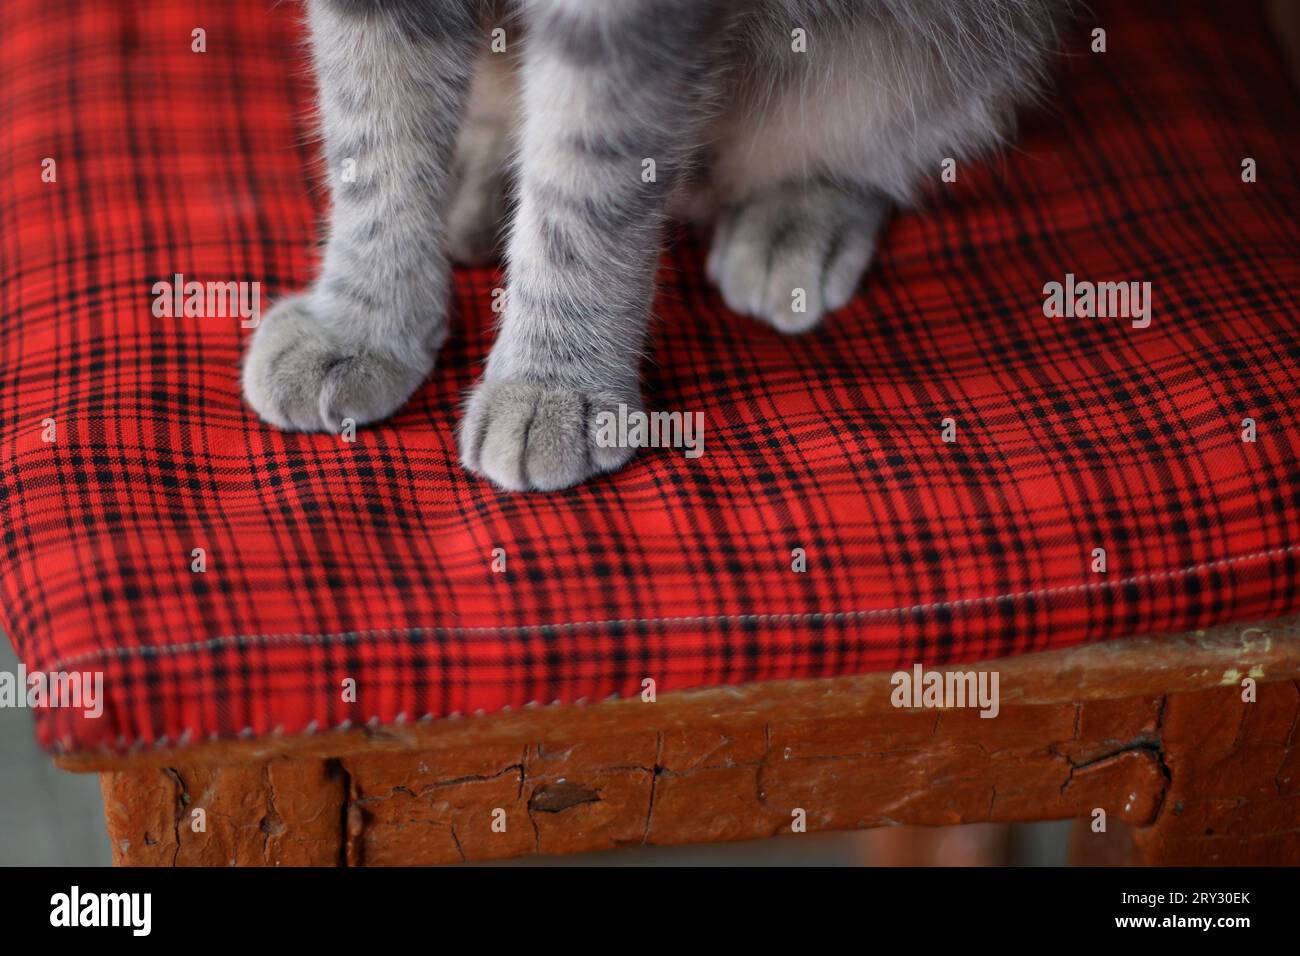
795,155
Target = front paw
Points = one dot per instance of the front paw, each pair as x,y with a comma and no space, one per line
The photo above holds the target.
299,376
527,437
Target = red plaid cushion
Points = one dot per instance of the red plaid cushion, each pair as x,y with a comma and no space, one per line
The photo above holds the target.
124,445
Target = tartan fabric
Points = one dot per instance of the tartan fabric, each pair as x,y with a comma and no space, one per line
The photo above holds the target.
373,560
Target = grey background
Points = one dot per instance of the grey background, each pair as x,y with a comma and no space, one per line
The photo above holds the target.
48,817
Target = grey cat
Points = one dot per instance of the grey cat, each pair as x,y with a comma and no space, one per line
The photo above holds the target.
790,126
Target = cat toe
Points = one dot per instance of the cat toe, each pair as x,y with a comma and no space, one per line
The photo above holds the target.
527,437
299,377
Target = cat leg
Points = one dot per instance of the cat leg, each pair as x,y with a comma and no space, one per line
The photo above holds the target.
393,77
791,252
823,136
795,162
477,213
613,98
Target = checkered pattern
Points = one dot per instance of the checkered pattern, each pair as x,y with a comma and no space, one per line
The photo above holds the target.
373,560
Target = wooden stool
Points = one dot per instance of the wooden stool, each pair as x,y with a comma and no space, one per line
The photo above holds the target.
1167,750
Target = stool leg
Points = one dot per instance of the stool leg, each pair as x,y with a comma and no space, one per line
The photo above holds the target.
1233,796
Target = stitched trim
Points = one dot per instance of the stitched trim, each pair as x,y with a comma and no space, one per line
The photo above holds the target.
838,617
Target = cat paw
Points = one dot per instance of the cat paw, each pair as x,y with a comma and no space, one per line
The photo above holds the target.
527,437
299,377
790,256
